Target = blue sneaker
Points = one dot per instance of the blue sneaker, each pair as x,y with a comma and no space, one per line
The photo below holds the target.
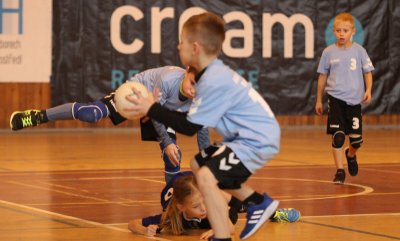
257,215
286,215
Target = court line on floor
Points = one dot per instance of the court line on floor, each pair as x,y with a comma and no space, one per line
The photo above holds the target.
351,230
366,190
71,218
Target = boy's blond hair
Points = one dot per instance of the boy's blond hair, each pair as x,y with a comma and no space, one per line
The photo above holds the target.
345,17
208,29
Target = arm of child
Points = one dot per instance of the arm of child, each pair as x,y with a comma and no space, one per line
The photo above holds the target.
320,92
135,226
368,88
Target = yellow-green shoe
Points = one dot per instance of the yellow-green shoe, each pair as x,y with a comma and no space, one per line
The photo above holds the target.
286,215
28,118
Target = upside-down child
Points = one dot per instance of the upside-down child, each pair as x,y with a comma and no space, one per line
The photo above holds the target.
183,209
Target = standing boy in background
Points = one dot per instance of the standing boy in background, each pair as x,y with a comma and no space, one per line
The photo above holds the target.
345,73
227,102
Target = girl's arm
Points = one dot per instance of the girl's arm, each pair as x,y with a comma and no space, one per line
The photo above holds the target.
135,226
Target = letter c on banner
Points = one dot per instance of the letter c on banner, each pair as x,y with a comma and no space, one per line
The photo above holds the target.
115,29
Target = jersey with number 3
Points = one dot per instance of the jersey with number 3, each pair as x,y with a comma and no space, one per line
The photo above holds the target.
227,102
345,69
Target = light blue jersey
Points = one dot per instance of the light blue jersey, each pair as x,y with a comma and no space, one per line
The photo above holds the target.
167,79
227,102
345,69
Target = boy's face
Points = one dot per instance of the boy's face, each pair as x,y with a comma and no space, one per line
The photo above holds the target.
185,49
343,31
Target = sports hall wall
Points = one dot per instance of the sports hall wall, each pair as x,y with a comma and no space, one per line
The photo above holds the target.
52,52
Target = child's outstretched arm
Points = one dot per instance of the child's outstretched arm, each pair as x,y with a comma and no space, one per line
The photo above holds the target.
368,88
320,92
135,226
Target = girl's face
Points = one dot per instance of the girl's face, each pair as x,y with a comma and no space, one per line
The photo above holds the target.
343,31
194,206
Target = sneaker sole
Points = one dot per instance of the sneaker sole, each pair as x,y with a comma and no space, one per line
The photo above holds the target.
267,213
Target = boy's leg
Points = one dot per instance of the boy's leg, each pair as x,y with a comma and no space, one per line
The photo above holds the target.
336,126
259,208
230,174
354,125
86,112
217,208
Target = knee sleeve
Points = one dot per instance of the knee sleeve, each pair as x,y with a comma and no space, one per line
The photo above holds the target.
338,139
90,112
356,142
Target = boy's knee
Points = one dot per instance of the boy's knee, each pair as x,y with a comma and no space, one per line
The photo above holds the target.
194,165
205,178
356,141
90,112
338,139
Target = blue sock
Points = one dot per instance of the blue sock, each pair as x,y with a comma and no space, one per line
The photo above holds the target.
90,112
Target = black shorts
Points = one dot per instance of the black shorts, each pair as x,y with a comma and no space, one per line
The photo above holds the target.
225,165
343,117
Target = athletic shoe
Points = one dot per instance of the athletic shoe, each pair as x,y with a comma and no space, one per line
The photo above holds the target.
352,164
286,215
28,118
339,176
257,215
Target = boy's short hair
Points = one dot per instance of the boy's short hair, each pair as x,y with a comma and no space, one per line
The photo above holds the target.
345,17
208,29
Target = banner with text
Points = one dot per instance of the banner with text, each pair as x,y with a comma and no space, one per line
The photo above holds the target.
276,45
25,40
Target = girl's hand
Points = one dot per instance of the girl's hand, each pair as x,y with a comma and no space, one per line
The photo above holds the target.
152,230
206,235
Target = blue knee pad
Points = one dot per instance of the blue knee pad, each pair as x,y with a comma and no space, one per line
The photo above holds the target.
338,139
90,112
356,142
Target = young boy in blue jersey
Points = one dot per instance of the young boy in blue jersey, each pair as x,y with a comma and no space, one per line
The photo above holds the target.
345,73
167,79
227,102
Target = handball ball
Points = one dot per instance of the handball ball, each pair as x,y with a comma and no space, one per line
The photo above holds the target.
121,102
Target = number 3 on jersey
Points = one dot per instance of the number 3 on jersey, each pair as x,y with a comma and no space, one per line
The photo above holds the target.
356,123
353,64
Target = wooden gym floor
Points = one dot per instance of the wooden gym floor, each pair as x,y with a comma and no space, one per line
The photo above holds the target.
86,184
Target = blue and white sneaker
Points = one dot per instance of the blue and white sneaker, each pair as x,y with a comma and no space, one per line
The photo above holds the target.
257,215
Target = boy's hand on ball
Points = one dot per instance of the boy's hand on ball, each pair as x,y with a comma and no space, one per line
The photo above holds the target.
141,104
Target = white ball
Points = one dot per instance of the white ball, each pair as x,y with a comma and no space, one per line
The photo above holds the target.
121,102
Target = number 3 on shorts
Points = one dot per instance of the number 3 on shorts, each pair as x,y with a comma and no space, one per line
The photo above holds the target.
356,123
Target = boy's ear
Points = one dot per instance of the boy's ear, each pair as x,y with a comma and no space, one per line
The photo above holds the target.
196,47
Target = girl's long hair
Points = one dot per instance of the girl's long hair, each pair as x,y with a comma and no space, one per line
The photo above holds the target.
171,220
